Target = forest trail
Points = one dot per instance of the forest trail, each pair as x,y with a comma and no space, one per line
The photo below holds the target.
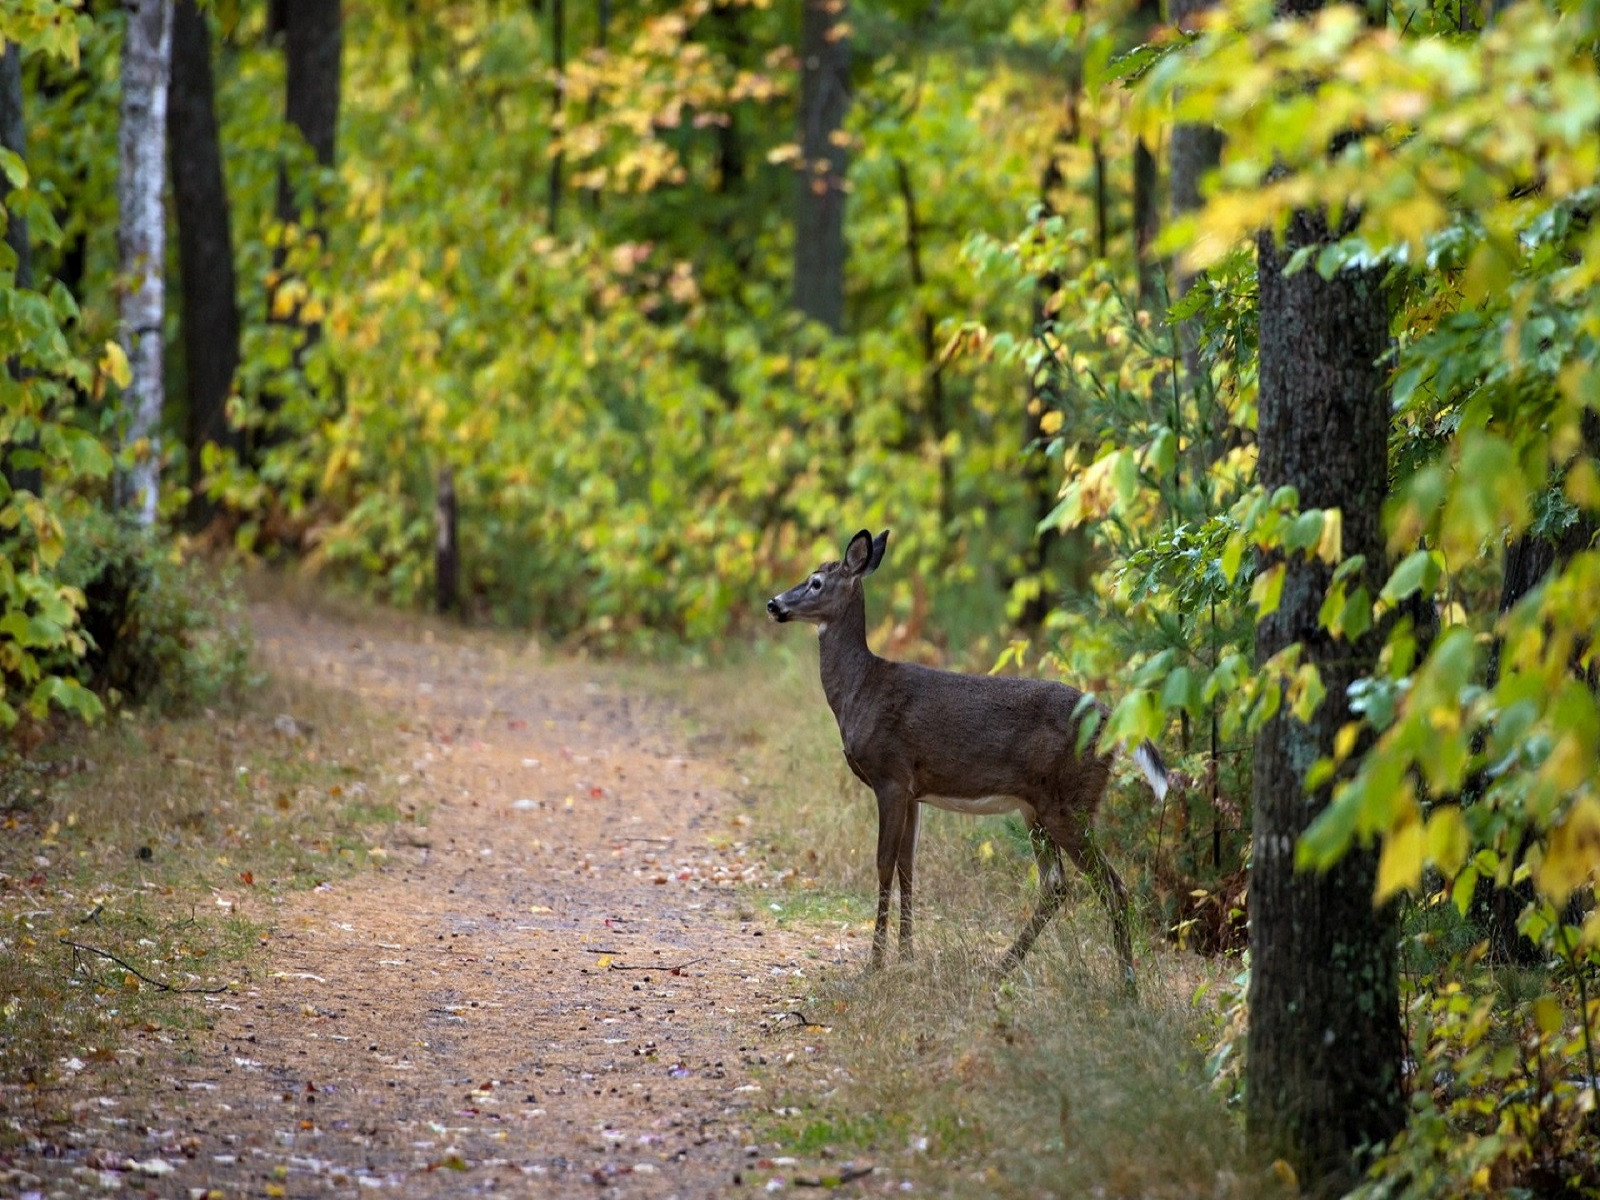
547,990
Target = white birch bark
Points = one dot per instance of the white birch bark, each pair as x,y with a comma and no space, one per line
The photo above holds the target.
146,68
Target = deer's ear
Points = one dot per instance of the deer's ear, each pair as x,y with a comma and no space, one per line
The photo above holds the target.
879,545
858,554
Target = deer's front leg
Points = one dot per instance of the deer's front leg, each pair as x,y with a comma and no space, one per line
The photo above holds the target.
892,806
905,862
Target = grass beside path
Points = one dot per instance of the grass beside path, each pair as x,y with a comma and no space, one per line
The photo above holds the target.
141,861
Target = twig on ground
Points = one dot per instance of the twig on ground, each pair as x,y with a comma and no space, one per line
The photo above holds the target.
805,1021
138,974
670,970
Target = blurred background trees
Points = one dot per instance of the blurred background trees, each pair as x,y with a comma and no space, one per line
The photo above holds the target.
673,293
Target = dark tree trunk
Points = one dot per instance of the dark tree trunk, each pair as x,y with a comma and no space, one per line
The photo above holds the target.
446,549
558,99
730,140
210,306
819,248
1036,464
1146,222
313,41
935,406
1323,1066
24,477
1146,183
1194,150
313,37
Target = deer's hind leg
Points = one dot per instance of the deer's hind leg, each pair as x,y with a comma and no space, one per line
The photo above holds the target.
1053,890
1045,853
1077,840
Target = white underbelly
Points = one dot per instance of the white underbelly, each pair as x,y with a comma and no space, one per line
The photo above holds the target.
979,806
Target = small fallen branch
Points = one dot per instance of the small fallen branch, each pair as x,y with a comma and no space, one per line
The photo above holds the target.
655,966
805,1021
138,974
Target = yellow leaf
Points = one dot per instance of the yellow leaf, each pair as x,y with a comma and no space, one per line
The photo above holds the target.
1583,484
1345,740
603,962
114,364
1400,863
1572,853
1050,423
1448,843
1547,1015
1330,548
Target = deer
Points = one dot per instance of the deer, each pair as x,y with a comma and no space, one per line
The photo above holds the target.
976,744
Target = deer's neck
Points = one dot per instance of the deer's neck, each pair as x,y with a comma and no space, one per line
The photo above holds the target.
846,661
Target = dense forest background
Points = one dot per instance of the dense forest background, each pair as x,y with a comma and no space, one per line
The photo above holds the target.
1235,363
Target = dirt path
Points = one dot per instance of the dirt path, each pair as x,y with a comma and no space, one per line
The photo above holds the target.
549,990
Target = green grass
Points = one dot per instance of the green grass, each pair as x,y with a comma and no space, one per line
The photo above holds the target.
165,841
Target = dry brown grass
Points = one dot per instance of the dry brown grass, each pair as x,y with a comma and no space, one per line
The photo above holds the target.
1053,1083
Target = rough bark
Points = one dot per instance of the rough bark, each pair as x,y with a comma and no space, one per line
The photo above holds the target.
1323,1067
210,306
313,42
819,249
146,59
13,136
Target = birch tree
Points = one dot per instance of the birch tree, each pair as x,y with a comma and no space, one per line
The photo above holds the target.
146,63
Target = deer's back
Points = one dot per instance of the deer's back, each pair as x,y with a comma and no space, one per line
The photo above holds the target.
970,736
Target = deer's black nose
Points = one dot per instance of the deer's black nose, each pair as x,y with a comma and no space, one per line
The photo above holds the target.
775,610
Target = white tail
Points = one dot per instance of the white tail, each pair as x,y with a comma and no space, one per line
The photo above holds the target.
968,743
1154,769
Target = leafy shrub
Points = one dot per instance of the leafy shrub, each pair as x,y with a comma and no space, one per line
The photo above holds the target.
161,630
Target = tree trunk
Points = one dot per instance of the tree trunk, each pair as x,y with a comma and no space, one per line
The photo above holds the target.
1146,183
819,248
1146,222
1323,1067
313,38
14,137
446,547
210,306
558,99
146,58
1195,149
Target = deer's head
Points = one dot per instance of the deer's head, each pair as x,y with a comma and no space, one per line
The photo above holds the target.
824,595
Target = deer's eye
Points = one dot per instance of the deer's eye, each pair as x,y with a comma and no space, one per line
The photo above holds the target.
816,583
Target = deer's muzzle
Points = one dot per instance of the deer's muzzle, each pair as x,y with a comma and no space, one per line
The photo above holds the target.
776,611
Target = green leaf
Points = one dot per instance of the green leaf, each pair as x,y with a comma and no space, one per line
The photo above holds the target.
1232,553
1417,571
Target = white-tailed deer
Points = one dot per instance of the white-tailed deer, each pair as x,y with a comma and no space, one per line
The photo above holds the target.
965,743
